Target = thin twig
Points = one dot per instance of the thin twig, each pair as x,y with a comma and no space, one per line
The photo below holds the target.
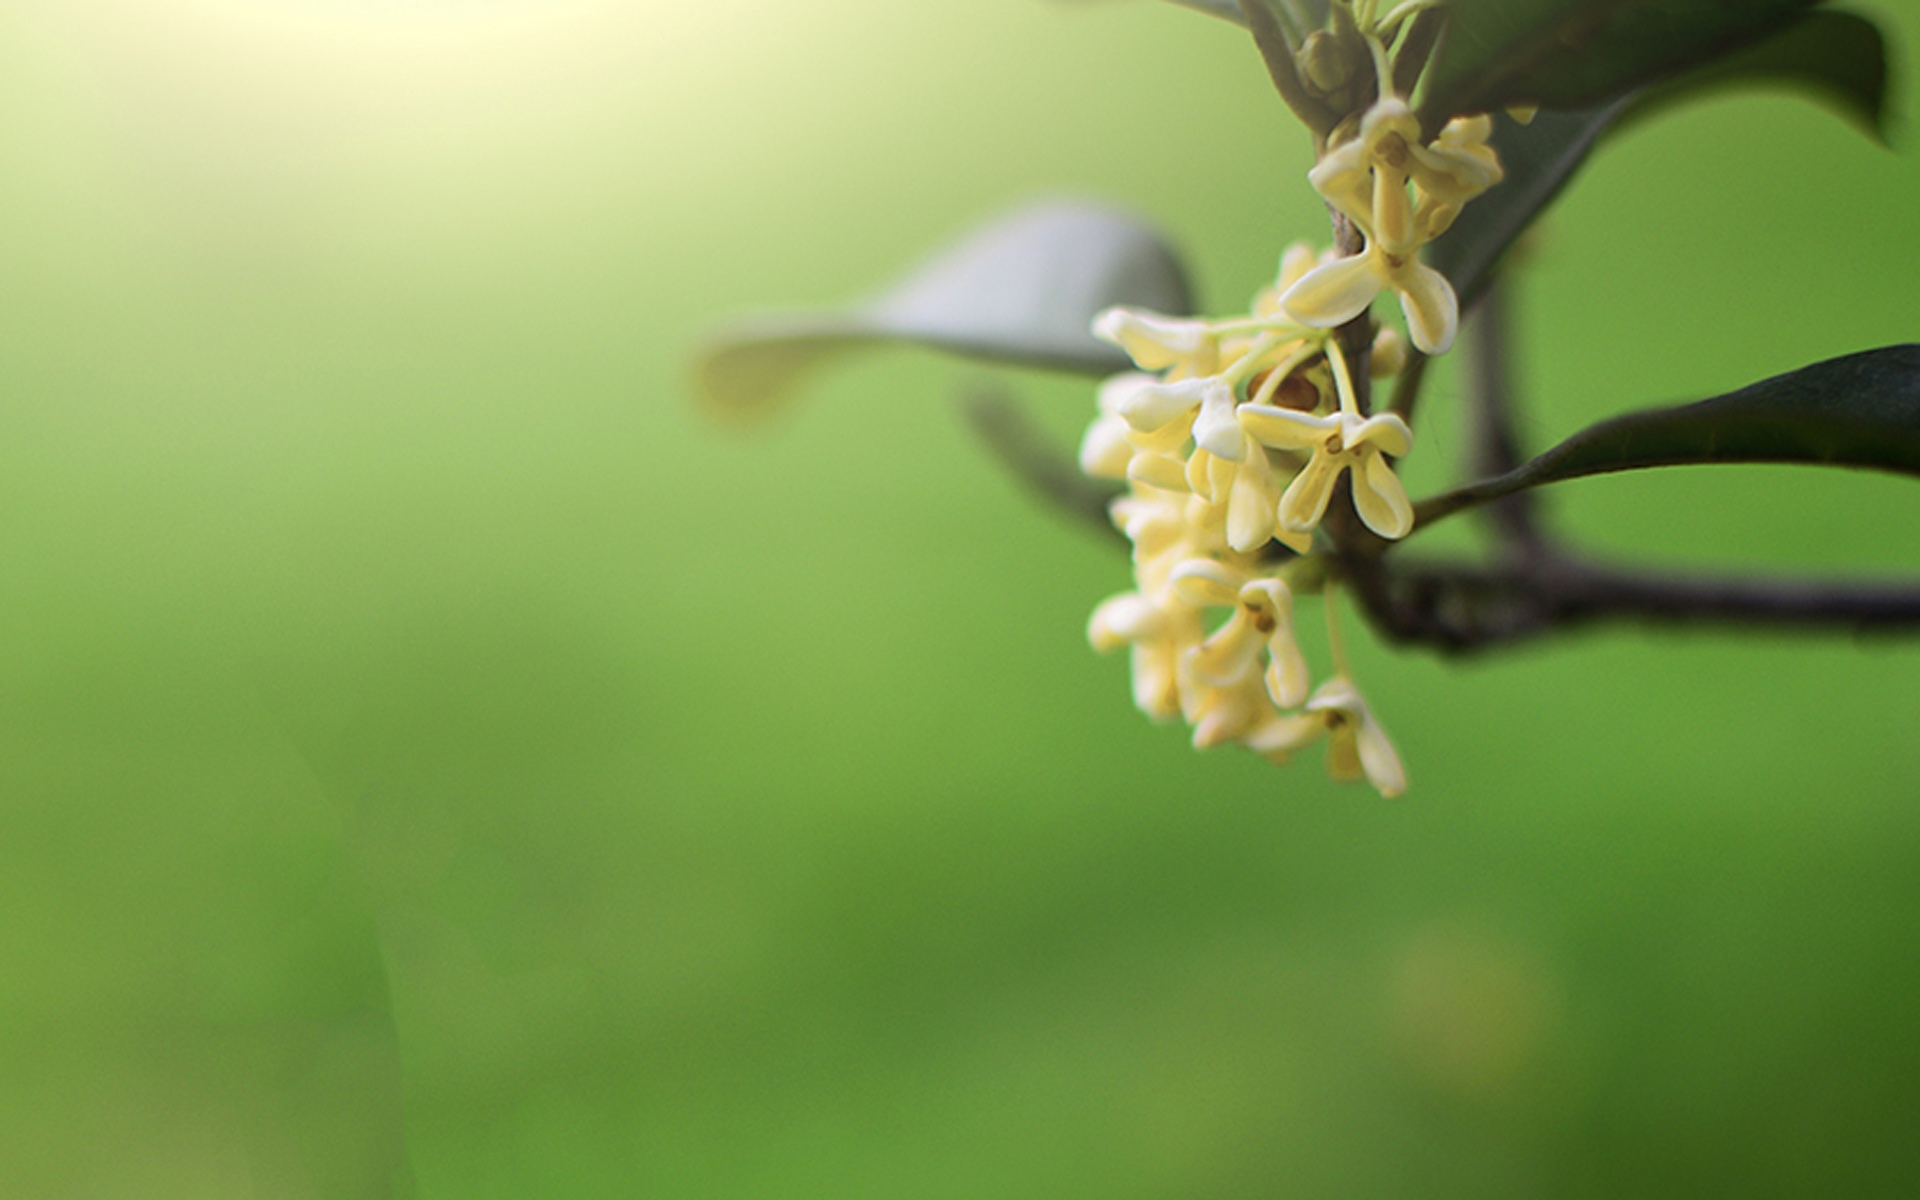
1406,388
1033,458
1495,446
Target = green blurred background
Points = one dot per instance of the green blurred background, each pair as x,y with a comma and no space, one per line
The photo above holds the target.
436,761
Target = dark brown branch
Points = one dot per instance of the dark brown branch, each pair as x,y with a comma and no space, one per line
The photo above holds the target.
1033,458
1462,608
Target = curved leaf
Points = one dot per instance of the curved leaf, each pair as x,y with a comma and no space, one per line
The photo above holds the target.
1569,54
1837,56
1861,410
1023,289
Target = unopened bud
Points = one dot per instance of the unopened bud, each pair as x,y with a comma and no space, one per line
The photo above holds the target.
1326,63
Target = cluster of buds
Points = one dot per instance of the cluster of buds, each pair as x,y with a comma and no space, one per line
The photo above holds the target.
1233,433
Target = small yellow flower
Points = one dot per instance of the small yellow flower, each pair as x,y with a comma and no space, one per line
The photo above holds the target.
1262,622
1458,164
1243,498
1341,290
1357,747
1338,442
1204,404
1366,177
1159,637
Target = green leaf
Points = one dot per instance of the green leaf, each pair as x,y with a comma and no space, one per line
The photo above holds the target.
1227,9
1838,58
1297,17
1571,54
1834,55
1861,410
1023,289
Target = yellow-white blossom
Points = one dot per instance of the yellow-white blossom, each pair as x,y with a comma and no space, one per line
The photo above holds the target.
1338,442
1367,178
1341,290
1262,623
1204,405
1159,636
1183,347
1357,747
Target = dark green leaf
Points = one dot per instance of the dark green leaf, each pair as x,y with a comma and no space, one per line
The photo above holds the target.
1838,57
1571,54
1023,289
1861,410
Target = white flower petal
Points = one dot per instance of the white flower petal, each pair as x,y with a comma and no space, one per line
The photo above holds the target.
1123,619
1224,713
1156,679
1285,428
1432,310
1252,502
1286,670
1343,179
1278,737
1392,212
1116,388
1230,656
1215,429
1387,432
1205,583
1158,405
1335,293
1379,759
1305,500
1381,498
1155,342
1158,470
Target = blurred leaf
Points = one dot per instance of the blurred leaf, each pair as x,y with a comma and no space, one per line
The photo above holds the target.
1023,289
1539,158
1297,17
1860,410
1229,9
1839,57
1571,54
1276,44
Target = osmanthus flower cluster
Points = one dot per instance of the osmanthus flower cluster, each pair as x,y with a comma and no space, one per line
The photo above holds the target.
1234,433
1256,471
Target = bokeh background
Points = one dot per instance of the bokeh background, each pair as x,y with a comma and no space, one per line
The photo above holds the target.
435,760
